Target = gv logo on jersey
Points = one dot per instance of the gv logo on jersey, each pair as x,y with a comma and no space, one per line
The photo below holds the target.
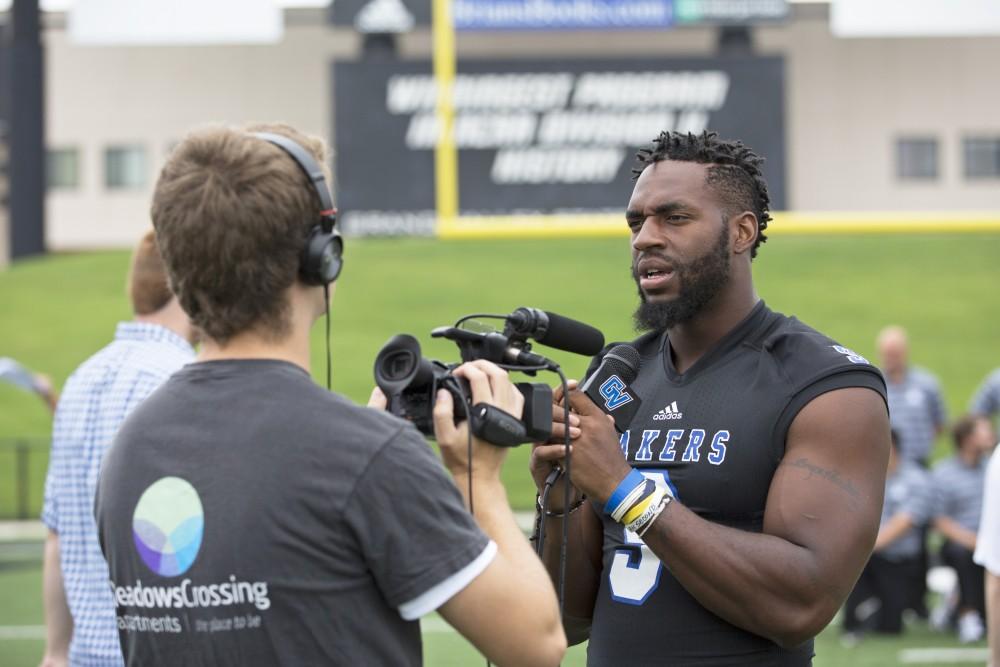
167,526
613,391
851,355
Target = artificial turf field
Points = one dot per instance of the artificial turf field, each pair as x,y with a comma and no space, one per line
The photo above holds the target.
944,288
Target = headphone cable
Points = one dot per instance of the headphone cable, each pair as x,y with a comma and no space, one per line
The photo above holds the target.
326,302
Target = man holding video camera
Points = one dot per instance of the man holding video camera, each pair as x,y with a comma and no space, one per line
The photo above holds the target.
250,517
730,519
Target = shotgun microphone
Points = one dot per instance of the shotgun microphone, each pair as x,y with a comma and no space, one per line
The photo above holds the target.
554,330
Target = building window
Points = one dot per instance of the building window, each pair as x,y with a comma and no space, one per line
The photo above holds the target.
916,159
62,168
125,167
981,156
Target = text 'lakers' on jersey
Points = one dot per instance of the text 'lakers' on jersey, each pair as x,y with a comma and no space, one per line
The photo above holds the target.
713,436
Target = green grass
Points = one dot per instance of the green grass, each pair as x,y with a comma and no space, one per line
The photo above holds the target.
20,588
60,309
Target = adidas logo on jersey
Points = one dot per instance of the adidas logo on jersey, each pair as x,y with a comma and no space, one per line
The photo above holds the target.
669,412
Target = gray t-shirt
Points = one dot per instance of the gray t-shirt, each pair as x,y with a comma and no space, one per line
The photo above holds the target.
250,517
916,411
907,490
959,491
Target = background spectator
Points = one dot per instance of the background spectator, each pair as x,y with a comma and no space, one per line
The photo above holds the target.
958,482
918,416
19,376
877,602
988,554
986,400
79,609
916,407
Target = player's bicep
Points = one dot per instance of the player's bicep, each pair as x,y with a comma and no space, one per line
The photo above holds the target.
826,495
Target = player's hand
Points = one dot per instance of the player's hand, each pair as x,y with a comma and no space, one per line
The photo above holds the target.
545,456
489,384
598,463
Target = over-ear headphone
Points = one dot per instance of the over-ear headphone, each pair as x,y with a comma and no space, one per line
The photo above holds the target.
323,255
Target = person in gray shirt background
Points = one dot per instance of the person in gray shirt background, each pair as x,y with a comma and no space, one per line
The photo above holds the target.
959,482
917,414
986,400
916,406
877,602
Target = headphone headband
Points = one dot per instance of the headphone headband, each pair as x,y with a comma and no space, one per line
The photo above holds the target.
310,167
322,256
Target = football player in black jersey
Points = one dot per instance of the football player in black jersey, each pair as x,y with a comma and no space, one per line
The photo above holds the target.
766,440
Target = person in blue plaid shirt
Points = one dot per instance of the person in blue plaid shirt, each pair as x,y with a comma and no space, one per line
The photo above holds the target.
79,610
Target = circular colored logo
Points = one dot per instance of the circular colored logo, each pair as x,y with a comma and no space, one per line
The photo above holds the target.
167,526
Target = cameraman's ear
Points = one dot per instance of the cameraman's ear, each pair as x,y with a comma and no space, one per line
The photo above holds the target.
378,400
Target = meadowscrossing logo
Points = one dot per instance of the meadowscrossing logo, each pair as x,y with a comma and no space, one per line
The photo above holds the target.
167,527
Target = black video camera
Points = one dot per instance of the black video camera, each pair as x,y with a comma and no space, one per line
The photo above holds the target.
411,383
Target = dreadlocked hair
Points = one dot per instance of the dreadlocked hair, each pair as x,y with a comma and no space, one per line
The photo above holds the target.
734,171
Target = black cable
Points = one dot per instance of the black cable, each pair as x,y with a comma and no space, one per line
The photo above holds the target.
543,504
544,498
468,432
326,302
468,429
553,476
566,494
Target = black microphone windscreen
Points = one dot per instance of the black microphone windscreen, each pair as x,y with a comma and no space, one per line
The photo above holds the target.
608,386
623,360
572,336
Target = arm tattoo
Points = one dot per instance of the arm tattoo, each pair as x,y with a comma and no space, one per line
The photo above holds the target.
829,475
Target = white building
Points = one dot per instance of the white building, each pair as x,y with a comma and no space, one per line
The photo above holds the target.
872,124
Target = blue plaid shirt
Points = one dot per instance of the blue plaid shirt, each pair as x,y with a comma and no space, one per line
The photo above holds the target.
94,403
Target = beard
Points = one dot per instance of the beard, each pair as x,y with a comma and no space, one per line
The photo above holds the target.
701,279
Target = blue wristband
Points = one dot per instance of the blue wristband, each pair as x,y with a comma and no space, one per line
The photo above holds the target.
632,480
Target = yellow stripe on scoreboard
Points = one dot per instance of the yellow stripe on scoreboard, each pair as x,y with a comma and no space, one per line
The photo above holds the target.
785,222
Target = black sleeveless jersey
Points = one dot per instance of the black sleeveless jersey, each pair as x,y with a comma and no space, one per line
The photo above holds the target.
714,436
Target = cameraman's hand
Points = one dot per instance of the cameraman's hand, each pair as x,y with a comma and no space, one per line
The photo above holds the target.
547,455
490,384
378,400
